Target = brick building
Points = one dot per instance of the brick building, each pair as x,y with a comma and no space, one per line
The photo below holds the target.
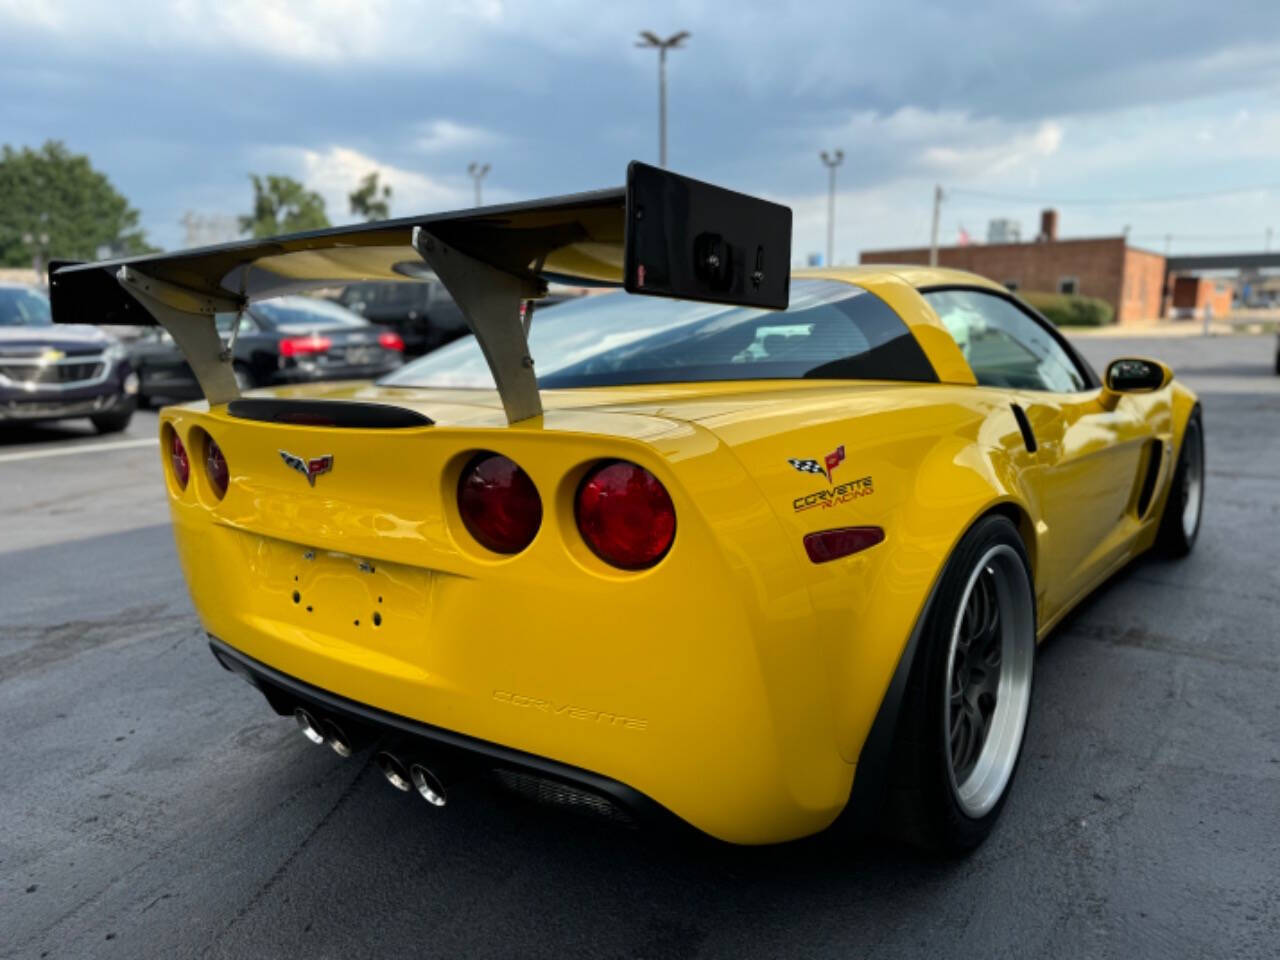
1192,297
1130,279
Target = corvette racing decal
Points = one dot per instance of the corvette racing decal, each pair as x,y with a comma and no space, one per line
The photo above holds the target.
845,492
835,495
829,463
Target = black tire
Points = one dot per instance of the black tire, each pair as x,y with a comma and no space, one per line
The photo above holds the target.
928,807
244,376
1178,531
115,421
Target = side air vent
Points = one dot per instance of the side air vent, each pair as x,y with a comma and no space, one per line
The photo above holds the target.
344,414
1028,436
1155,453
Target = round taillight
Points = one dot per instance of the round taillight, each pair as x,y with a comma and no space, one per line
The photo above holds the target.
499,504
178,459
625,515
215,467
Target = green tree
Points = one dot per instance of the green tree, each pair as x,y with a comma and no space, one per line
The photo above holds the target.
283,205
368,201
56,194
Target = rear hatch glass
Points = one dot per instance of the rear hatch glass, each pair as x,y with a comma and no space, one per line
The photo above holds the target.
831,330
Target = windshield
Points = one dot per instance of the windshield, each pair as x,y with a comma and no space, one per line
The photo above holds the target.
831,330
301,314
23,307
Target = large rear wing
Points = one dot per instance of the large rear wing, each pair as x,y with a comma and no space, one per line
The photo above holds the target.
660,235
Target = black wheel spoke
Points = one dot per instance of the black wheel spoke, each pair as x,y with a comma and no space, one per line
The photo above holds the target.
975,674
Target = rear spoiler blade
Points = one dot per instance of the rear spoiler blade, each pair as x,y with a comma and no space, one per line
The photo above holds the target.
660,235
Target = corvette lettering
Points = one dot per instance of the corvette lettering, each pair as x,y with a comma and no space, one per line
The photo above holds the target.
554,709
311,468
835,496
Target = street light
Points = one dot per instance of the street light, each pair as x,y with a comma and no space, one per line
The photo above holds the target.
650,39
831,161
477,171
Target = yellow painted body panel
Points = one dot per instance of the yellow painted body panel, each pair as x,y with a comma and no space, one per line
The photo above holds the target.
735,682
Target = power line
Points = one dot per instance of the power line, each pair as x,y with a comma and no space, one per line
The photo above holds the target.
1113,201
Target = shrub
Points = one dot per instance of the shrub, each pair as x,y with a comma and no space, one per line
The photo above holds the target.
1069,310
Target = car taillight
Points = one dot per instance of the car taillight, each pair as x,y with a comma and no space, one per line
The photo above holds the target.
625,515
499,504
298,346
178,458
391,341
215,467
828,545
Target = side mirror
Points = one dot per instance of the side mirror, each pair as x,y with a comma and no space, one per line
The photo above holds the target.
1133,375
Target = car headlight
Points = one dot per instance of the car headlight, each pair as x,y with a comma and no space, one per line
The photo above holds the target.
115,352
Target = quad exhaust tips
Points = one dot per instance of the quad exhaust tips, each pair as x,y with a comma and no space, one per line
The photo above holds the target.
324,730
415,776
412,776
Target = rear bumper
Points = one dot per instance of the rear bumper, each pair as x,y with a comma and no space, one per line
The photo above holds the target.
615,801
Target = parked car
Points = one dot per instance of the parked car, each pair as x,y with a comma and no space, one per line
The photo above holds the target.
281,341
423,312
58,373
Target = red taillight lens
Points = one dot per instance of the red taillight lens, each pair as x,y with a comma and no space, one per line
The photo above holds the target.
833,544
625,515
298,346
391,341
499,504
178,458
215,466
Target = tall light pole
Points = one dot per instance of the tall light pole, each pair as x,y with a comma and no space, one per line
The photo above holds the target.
477,171
933,235
650,39
831,161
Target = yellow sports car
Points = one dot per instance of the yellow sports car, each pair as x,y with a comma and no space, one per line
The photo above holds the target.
749,549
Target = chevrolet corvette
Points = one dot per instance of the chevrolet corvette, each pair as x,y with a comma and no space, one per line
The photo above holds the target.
751,551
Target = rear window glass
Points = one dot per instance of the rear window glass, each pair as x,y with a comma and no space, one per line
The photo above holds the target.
830,331
300,314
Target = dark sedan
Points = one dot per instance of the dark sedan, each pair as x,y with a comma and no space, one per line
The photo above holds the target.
281,341
56,373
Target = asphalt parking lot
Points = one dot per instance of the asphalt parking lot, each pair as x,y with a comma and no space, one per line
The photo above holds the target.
153,806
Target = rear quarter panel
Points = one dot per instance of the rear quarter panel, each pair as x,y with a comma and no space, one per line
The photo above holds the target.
930,459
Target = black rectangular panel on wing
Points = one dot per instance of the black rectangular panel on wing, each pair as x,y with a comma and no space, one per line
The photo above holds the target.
694,241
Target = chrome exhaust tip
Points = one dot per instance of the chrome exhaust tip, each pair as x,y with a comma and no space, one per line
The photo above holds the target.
394,771
337,738
429,786
309,725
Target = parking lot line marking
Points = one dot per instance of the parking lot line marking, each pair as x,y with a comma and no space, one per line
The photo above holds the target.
78,448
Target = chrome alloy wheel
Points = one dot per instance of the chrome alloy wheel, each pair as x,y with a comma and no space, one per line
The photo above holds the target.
989,679
1192,478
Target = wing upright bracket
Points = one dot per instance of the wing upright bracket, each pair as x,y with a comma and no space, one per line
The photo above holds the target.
188,315
490,299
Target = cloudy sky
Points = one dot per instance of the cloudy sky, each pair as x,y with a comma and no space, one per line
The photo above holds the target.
1159,115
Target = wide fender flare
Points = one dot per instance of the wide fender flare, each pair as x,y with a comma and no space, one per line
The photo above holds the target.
957,483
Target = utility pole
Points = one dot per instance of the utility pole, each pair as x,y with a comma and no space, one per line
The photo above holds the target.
831,161
650,39
933,237
477,171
